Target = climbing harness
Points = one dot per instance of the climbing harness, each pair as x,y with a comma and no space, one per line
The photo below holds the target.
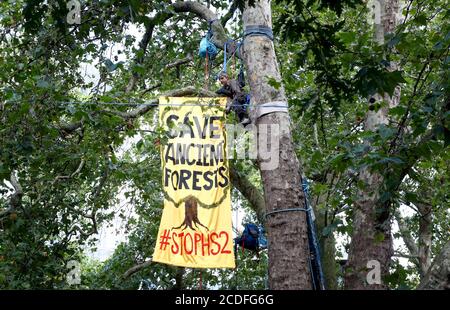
253,239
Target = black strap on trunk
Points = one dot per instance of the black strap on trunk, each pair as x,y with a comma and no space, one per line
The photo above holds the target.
258,30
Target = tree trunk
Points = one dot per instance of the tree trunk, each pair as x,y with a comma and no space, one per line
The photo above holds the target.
372,240
179,285
287,231
329,265
191,215
327,251
327,243
425,237
438,276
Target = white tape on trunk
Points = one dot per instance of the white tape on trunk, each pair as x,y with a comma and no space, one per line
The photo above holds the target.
270,107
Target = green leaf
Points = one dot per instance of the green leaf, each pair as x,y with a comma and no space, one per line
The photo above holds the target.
397,111
110,66
421,19
138,68
328,230
379,237
106,98
272,82
386,132
372,80
42,83
394,160
347,37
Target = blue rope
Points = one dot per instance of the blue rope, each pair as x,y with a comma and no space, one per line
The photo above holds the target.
287,210
224,69
314,242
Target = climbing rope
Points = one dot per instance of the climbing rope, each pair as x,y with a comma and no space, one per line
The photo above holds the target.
314,259
316,268
237,253
206,73
287,210
225,48
130,104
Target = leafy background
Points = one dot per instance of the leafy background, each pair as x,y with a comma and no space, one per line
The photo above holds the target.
330,65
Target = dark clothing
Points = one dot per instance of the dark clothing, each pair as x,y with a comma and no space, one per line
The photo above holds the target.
237,104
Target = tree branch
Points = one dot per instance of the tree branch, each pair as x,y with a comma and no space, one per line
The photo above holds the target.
16,197
95,194
137,268
66,177
159,18
151,88
407,238
219,36
84,234
250,192
229,14
144,108
400,254
140,110
70,127
180,62
402,123
425,237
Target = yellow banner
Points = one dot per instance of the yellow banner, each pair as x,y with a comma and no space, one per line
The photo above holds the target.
195,229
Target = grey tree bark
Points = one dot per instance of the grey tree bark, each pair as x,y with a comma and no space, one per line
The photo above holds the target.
372,240
438,276
420,250
425,237
287,231
327,243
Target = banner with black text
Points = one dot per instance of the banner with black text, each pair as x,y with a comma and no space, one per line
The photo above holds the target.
196,228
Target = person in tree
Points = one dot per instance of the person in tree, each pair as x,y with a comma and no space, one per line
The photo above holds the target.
232,89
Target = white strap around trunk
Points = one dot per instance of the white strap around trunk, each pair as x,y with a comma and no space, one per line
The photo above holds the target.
269,107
